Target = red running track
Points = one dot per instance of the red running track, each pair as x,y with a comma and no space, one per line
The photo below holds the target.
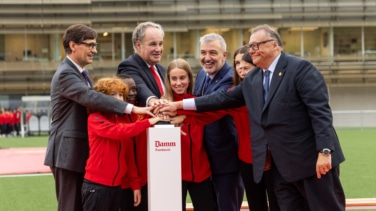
22,161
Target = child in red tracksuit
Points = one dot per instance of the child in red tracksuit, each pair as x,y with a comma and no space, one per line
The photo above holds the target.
139,145
196,172
110,154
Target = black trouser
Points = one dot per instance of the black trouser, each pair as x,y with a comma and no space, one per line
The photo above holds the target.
255,192
17,128
311,194
96,197
202,195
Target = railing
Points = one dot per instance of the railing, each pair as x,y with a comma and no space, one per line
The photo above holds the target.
354,118
35,76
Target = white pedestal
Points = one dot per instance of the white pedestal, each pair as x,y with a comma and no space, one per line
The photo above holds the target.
164,168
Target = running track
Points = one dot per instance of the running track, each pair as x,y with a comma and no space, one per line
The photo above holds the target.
30,161
22,161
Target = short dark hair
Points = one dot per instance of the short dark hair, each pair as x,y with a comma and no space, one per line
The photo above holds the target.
124,76
77,33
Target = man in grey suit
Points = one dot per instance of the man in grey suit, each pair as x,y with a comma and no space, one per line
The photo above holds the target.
291,125
71,96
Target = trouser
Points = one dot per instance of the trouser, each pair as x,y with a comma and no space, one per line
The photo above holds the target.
230,191
96,197
68,189
202,195
311,194
255,192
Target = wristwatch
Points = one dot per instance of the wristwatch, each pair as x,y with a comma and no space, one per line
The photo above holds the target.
326,151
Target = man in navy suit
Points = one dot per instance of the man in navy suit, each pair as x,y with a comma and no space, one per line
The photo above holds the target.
71,96
147,41
220,137
292,126
143,67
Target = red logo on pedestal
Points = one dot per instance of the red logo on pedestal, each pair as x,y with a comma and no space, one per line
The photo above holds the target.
164,146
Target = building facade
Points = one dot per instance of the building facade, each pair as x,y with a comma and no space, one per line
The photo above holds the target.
338,36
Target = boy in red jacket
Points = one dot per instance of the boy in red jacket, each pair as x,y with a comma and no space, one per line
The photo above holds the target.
139,146
110,155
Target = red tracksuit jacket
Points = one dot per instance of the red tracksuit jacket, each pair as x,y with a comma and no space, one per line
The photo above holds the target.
110,153
194,160
242,124
139,146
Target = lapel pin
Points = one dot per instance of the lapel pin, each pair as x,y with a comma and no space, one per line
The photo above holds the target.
280,74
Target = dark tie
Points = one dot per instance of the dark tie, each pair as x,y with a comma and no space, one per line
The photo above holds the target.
206,84
266,84
157,79
84,73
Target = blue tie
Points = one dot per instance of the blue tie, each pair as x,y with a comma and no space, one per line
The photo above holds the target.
266,84
207,81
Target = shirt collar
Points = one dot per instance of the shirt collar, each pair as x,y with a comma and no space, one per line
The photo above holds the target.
78,67
272,66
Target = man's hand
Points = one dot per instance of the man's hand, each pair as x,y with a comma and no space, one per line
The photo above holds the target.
323,164
143,110
172,106
157,104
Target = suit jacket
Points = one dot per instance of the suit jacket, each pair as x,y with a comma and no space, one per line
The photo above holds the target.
140,72
220,137
294,123
70,97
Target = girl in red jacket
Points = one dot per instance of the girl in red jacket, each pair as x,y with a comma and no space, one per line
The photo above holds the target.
110,155
196,172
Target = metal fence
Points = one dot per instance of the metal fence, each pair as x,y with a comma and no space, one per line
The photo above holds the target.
354,118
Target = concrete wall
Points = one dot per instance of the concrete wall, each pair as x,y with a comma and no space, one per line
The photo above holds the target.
353,106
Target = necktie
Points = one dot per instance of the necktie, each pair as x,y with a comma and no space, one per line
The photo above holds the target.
86,77
266,84
206,84
157,79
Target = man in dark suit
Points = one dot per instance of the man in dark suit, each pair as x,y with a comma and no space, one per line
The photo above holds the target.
71,96
143,67
220,137
147,39
292,127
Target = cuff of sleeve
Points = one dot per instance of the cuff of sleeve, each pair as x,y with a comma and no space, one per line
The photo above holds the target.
189,104
128,109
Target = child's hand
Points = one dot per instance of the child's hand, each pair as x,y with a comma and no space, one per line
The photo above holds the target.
177,120
154,120
136,197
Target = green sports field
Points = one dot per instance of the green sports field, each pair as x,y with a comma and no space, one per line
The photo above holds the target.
29,193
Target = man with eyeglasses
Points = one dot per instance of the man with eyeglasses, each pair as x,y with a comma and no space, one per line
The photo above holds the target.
71,96
291,125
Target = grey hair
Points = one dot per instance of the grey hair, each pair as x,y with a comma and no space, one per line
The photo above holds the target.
139,32
269,31
211,37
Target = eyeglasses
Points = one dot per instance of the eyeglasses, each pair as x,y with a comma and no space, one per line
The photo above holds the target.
256,46
90,45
